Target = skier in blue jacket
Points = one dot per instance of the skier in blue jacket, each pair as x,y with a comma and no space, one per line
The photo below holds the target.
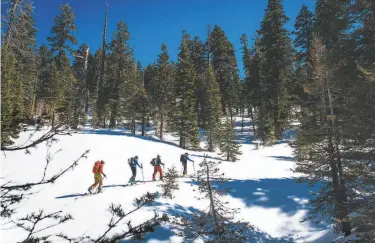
184,158
133,163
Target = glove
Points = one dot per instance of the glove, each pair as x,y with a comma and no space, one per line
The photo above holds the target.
104,175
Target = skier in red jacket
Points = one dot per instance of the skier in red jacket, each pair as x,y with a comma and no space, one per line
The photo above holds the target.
98,172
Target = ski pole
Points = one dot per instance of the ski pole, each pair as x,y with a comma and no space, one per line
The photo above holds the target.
143,176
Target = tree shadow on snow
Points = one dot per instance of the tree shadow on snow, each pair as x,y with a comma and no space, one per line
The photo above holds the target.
124,133
210,157
72,195
245,138
126,185
283,158
164,233
161,234
238,123
286,194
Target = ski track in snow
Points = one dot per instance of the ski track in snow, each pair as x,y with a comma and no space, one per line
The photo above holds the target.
263,186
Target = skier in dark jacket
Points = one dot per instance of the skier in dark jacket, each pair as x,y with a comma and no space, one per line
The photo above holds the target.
133,163
156,162
184,158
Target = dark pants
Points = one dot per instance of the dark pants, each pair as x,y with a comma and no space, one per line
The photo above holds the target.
134,172
184,164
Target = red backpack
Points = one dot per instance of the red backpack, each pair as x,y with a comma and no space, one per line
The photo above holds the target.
96,167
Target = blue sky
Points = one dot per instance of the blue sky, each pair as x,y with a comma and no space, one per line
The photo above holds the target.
152,22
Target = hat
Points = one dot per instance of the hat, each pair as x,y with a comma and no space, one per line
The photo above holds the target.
102,162
136,157
158,156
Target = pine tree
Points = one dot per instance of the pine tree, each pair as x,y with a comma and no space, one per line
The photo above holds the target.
185,119
331,21
210,98
211,108
62,36
142,104
216,225
81,89
64,85
304,27
358,135
94,80
26,58
161,88
198,56
122,65
228,145
277,66
225,67
360,148
251,83
19,75
11,116
319,154
63,33
170,184
45,83
137,105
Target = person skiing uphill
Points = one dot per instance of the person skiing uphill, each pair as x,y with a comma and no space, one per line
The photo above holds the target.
183,159
133,163
156,162
98,172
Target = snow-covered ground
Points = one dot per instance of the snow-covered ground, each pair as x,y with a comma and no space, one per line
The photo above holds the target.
263,186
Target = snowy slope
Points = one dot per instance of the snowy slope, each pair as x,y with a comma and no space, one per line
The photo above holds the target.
263,186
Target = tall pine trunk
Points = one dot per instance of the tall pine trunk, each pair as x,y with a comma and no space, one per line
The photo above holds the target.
242,119
12,20
112,119
161,123
252,121
87,95
133,125
210,140
100,102
115,102
33,100
231,113
277,122
342,198
143,125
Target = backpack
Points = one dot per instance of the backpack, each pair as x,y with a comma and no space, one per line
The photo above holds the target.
182,158
130,160
152,162
96,167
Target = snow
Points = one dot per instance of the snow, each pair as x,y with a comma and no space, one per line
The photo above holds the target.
263,186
